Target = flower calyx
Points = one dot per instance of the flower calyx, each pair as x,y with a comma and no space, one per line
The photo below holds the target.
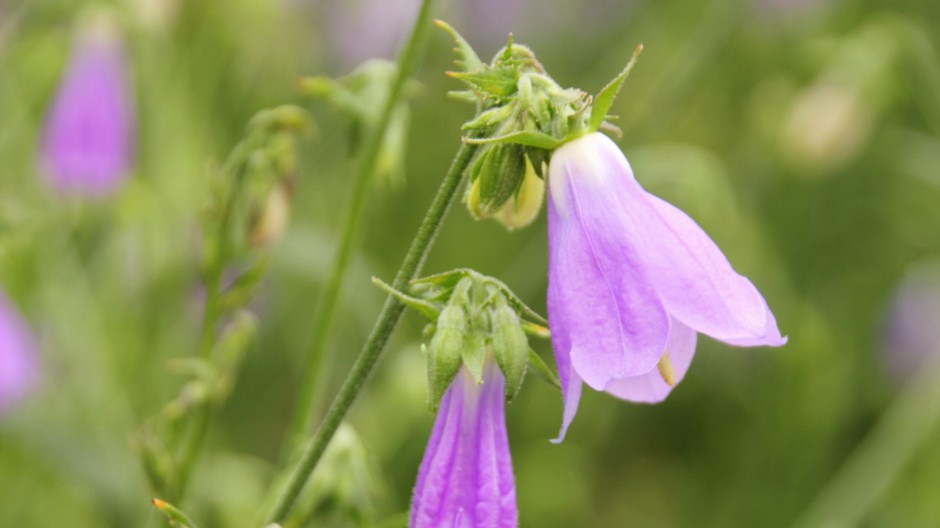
522,116
474,319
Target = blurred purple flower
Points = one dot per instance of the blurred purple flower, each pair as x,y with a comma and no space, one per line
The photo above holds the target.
18,368
88,140
466,480
631,281
912,324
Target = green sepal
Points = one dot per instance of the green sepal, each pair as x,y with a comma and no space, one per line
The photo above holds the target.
510,345
474,356
539,159
496,83
605,98
528,138
500,174
520,307
541,370
421,306
468,59
446,351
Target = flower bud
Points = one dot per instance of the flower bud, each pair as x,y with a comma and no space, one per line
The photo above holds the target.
496,176
522,210
445,351
273,218
510,345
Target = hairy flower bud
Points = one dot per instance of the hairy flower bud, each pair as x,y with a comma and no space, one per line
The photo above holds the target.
510,345
445,352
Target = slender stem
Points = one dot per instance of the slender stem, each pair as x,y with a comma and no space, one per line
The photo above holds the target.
305,411
381,331
875,465
199,422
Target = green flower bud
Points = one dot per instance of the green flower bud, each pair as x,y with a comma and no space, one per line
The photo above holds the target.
445,351
496,175
510,345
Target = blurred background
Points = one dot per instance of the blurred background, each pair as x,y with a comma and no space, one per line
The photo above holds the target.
804,136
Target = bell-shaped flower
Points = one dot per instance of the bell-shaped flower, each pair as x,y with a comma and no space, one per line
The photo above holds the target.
87,146
632,279
466,479
18,368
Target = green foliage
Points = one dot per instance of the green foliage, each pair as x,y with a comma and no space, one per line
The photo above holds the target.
803,137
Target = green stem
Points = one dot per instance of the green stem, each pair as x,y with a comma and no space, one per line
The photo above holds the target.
381,331
199,422
304,413
875,465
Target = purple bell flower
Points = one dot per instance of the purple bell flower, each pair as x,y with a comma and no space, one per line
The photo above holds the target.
466,480
631,280
18,369
88,140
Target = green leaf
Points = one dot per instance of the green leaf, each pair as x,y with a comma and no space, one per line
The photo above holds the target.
521,308
605,98
468,60
421,306
528,138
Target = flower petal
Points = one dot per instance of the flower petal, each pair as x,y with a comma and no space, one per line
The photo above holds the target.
700,288
601,305
570,381
692,277
466,475
651,387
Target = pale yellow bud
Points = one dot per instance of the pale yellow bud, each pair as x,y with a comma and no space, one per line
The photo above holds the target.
273,218
522,210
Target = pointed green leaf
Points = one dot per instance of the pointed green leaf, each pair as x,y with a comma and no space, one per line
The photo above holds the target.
528,138
468,58
605,98
521,308
421,306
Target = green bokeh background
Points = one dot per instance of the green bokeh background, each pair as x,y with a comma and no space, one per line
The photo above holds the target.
803,136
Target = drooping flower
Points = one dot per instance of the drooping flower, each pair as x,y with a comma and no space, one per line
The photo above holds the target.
18,369
466,479
632,279
88,141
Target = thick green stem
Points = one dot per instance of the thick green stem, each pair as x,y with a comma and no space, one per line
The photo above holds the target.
381,331
305,411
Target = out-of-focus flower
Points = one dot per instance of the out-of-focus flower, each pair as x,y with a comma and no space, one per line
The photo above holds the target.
632,279
828,123
18,368
466,478
911,332
88,141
